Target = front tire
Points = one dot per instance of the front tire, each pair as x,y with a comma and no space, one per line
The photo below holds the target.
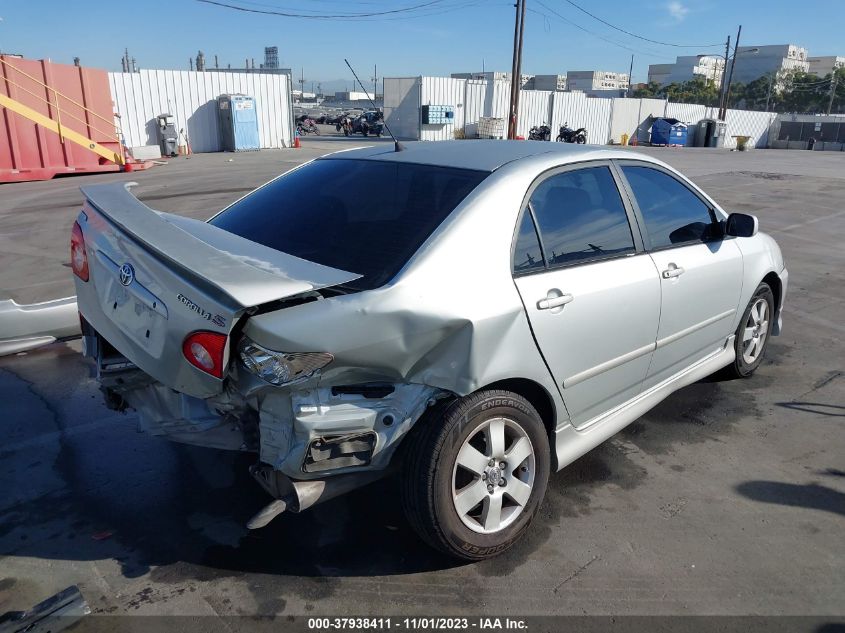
475,473
753,333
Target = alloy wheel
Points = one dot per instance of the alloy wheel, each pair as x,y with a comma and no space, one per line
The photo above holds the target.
493,475
755,332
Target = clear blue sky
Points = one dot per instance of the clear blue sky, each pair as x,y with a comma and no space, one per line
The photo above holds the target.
455,35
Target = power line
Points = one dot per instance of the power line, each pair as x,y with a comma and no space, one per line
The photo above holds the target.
322,16
599,36
639,37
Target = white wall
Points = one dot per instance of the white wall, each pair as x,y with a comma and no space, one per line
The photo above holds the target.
191,97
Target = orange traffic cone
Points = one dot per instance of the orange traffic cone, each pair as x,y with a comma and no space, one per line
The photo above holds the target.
296,144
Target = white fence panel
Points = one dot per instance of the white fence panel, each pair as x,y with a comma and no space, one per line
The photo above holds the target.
634,118
191,97
577,110
534,109
499,99
748,123
605,119
402,106
475,99
624,118
443,91
690,113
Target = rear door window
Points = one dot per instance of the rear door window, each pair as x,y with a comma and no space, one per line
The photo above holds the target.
362,216
673,214
527,255
581,217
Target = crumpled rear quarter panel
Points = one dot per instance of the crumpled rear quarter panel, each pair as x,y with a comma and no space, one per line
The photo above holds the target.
452,318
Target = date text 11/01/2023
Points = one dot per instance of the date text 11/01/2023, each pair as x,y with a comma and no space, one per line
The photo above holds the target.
417,624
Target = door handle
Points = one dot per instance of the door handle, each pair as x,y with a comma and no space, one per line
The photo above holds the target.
673,271
554,302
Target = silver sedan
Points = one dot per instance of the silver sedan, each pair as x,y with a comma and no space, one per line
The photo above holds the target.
485,315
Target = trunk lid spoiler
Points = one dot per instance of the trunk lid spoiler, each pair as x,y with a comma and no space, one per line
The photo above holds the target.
250,274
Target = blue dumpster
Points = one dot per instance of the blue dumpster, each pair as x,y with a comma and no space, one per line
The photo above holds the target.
665,131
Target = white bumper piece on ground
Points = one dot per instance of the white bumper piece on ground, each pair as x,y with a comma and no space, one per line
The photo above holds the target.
24,327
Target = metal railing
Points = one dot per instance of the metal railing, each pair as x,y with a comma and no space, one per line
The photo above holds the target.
55,109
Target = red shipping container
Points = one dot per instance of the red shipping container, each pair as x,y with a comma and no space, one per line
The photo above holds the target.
77,98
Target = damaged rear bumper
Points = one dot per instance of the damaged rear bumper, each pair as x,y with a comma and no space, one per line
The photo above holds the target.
296,496
313,442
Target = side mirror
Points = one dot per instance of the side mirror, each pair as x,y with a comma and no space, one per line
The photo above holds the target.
741,225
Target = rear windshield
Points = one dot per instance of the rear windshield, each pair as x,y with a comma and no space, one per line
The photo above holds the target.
362,216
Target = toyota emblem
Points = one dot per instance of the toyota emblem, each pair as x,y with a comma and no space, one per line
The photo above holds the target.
127,274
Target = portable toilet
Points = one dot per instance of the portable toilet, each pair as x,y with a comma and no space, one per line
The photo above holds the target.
665,131
238,120
710,133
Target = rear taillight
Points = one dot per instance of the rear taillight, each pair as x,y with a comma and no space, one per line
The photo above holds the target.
205,351
78,256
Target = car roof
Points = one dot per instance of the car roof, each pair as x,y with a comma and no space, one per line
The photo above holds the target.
481,155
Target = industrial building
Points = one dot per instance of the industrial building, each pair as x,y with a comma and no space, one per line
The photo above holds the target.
494,75
546,82
351,95
596,82
825,65
753,62
688,68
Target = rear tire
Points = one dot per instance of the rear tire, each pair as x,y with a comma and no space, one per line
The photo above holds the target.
456,492
753,333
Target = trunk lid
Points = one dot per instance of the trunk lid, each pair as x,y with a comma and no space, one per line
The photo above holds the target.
155,278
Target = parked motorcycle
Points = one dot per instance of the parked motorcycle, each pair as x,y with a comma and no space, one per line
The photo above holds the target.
540,133
369,123
307,126
345,124
568,135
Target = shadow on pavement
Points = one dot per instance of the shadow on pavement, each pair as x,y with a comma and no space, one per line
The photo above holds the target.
813,496
818,408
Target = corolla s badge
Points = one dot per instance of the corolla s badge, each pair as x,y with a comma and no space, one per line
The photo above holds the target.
127,274
205,314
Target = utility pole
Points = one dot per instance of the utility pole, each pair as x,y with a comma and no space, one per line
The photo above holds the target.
375,80
516,68
724,75
630,72
832,90
731,76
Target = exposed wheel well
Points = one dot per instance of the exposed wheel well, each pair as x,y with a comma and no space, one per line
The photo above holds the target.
774,283
536,394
